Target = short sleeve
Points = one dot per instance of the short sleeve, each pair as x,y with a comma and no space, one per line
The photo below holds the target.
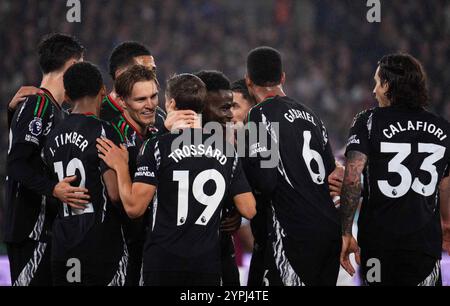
31,121
111,132
329,160
147,163
359,133
239,183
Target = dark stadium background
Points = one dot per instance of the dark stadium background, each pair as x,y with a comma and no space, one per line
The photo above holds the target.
330,50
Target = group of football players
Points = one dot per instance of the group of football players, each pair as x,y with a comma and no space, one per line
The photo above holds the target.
110,189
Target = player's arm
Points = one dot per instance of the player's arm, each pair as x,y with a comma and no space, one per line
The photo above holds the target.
335,180
334,167
444,193
245,204
135,197
351,194
357,157
24,163
240,190
20,96
260,165
110,180
179,118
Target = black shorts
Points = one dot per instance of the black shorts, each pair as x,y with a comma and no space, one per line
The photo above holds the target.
180,278
256,271
302,263
82,273
29,263
399,268
230,270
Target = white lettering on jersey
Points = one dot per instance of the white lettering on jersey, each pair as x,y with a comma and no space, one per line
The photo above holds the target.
197,151
293,114
420,126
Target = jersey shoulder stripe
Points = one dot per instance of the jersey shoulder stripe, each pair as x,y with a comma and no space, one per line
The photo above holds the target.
41,106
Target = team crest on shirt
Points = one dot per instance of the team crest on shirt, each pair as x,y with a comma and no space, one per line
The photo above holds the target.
35,126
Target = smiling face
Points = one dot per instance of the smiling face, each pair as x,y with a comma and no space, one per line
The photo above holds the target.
218,107
141,105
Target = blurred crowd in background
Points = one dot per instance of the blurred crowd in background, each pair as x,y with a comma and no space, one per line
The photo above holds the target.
330,50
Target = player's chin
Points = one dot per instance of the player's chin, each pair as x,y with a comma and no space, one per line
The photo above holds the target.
148,119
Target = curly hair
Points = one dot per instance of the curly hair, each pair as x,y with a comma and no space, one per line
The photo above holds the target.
406,79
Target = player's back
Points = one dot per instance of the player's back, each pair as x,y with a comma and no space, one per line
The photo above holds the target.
94,232
193,181
407,157
300,197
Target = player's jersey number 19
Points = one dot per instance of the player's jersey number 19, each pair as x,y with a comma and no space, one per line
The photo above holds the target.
210,201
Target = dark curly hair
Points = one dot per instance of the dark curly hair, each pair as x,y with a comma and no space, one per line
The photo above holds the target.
406,79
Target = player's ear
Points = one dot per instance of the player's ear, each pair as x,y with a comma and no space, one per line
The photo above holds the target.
248,82
170,104
283,78
103,91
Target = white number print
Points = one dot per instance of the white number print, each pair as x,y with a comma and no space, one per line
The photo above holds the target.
309,155
74,165
403,150
210,201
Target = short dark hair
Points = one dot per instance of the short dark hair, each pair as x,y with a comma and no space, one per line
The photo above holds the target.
123,55
264,66
214,80
241,87
136,73
55,50
188,91
82,80
406,79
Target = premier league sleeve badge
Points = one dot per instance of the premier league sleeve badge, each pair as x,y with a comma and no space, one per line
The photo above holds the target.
35,126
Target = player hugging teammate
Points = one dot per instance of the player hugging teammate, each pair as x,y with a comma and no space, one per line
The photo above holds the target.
134,196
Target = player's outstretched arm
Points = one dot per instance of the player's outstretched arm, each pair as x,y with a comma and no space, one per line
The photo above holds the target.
246,204
444,191
135,197
351,194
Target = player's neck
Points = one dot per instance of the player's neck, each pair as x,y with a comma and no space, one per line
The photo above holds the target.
113,94
138,127
85,105
262,93
53,82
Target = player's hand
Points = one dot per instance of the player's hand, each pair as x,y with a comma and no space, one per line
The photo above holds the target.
22,94
111,154
231,223
178,119
446,238
349,245
335,180
75,197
